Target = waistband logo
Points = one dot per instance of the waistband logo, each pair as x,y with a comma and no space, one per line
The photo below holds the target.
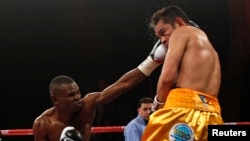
204,100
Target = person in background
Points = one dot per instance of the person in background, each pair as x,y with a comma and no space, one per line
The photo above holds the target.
134,129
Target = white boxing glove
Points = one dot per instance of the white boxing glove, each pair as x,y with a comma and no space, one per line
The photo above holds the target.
159,52
69,133
155,58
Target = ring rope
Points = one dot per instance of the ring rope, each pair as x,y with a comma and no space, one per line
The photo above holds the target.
100,129
24,132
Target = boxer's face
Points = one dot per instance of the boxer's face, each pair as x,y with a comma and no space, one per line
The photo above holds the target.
69,98
163,31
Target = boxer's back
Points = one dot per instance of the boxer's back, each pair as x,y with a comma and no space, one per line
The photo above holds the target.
200,67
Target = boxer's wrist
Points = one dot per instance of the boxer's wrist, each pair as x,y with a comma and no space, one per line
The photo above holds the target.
157,104
157,101
148,66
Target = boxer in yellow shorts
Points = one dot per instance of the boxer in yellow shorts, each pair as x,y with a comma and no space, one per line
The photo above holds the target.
191,63
184,117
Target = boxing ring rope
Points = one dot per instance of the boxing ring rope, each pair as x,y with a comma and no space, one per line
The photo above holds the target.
25,132
100,129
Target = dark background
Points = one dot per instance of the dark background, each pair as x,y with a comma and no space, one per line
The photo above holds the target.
97,41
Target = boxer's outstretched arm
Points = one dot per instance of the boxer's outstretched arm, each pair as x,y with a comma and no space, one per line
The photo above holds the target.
135,76
125,83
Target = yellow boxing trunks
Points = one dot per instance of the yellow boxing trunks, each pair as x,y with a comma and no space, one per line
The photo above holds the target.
184,117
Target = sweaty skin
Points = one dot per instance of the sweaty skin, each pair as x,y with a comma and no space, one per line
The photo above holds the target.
191,61
72,110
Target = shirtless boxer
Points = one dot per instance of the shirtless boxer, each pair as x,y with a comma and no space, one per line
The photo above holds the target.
70,110
189,82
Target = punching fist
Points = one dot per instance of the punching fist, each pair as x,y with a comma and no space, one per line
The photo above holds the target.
155,58
158,52
70,134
